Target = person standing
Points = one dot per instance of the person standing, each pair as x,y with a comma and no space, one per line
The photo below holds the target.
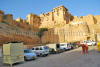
98,46
86,50
83,49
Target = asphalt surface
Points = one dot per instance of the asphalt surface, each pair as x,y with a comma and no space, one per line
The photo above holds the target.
72,58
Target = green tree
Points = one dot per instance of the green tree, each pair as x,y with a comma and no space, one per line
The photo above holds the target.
40,32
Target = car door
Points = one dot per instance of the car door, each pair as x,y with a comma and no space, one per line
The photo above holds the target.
37,51
68,45
42,50
33,49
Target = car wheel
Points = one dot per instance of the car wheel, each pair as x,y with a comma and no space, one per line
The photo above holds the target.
25,59
46,54
53,51
33,58
64,49
41,55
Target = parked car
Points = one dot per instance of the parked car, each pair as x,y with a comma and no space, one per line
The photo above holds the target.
41,50
93,42
54,48
65,46
51,51
89,42
29,55
74,45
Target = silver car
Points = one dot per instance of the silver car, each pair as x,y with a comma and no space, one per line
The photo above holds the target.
41,50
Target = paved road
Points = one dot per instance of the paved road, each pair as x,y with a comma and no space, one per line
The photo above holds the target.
72,58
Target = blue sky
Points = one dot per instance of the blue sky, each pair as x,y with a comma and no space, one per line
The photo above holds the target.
21,8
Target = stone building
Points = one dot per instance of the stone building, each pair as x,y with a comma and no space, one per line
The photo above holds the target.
6,17
69,28
62,27
59,16
19,20
17,30
74,31
1,15
34,21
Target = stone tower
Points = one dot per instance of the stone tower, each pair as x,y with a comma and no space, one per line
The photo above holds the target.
59,16
34,21
1,15
5,17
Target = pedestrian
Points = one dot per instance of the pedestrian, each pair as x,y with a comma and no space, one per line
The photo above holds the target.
98,46
83,49
86,48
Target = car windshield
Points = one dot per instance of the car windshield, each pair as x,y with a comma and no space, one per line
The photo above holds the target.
27,51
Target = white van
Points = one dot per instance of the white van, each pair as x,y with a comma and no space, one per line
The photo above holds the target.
41,50
65,46
54,48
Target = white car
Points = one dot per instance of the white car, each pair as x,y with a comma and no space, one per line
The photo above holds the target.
65,46
89,42
93,42
54,48
41,50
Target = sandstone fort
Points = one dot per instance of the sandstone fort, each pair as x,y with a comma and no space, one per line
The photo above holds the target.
62,27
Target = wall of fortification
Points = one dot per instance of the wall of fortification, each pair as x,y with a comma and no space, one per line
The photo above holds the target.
75,31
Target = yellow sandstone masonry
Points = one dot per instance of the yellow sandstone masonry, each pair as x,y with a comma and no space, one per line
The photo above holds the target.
62,27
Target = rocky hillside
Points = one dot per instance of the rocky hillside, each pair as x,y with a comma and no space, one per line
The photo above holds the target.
10,33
